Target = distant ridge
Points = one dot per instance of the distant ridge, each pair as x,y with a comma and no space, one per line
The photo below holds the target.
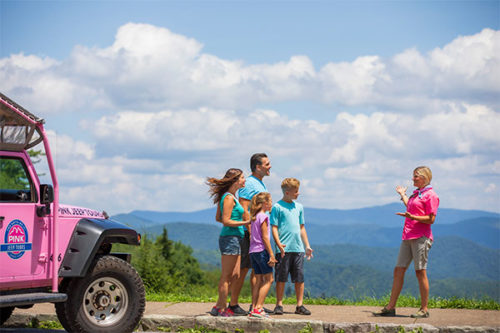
383,216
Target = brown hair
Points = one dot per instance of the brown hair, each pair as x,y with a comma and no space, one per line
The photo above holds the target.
290,184
220,186
258,201
255,160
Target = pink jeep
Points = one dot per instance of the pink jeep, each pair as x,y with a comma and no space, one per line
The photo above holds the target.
56,253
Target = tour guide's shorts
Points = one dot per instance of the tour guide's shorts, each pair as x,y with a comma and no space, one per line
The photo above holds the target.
292,263
414,249
230,245
260,262
245,247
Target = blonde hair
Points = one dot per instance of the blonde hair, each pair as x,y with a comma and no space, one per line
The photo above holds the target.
425,173
290,184
258,201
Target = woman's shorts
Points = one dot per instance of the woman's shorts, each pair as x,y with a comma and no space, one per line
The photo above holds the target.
259,262
414,249
230,245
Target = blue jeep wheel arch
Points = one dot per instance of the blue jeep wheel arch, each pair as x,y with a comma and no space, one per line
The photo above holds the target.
88,236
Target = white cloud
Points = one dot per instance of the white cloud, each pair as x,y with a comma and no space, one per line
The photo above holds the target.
163,115
150,68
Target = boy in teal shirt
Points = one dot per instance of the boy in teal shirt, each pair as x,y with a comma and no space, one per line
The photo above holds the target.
289,233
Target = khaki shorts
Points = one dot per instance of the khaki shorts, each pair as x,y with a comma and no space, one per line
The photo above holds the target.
416,250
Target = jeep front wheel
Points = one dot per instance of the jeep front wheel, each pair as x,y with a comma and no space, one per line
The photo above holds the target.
109,299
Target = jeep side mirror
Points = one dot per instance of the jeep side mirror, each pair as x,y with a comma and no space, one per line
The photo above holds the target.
46,194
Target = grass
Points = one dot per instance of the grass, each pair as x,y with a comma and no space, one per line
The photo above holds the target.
403,301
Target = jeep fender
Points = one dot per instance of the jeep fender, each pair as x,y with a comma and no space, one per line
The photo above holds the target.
88,236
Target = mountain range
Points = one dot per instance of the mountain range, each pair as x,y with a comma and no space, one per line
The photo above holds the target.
355,250
374,226
383,216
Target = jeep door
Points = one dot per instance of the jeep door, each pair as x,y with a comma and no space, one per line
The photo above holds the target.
22,233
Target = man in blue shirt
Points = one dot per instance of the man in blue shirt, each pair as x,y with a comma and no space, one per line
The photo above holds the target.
261,167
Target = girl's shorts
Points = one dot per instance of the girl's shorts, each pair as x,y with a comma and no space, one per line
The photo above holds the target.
259,262
230,245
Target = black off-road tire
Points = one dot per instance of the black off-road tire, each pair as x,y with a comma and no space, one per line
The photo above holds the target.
110,299
61,306
5,314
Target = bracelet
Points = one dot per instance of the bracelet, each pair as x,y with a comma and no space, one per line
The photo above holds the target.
402,197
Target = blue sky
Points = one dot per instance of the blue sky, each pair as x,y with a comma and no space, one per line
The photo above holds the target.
254,31
147,98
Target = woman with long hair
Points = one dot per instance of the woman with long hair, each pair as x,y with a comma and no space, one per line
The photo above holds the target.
230,213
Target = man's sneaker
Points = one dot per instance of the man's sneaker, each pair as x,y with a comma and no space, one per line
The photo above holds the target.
301,310
227,313
278,310
420,314
385,312
256,313
237,310
215,311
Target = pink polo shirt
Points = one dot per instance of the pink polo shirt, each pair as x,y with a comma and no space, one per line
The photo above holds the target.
421,202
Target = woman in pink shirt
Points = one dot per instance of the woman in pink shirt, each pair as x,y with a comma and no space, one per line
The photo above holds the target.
421,210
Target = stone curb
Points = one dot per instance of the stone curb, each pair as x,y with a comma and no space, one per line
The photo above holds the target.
250,325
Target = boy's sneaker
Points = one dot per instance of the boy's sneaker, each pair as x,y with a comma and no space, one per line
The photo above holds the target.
278,310
237,310
385,312
227,313
301,310
256,313
215,311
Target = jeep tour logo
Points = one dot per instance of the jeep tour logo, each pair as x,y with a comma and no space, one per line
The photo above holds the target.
16,240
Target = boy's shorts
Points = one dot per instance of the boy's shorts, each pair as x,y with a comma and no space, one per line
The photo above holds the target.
230,245
245,247
416,250
292,263
259,262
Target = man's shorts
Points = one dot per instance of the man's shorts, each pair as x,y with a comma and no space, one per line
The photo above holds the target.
416,250
245,247
259,262
292,263
230,245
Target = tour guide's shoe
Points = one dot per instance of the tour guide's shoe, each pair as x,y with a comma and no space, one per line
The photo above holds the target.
420,314
237,310
302,310
385,312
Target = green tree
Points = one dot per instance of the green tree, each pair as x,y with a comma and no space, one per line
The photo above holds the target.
12,173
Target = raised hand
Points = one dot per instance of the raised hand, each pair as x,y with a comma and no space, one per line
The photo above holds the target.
401,190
